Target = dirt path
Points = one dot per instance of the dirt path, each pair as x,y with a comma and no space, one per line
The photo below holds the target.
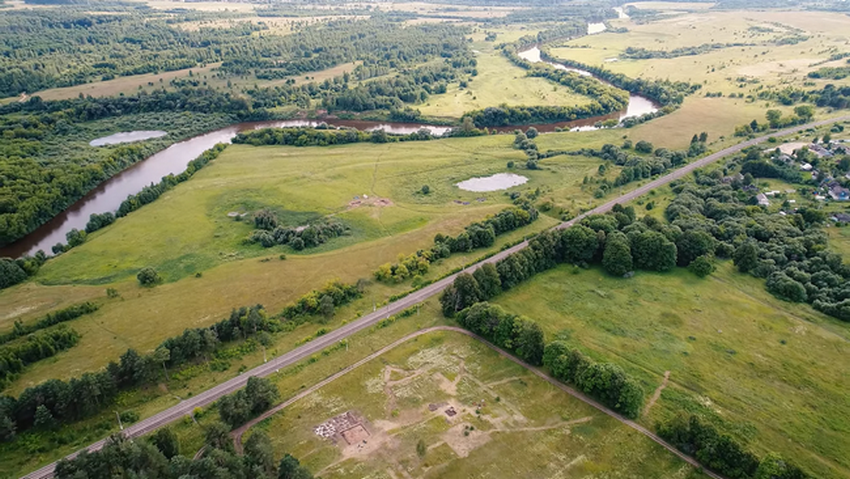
657,393
237,433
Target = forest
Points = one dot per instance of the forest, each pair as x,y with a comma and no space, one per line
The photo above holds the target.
36,43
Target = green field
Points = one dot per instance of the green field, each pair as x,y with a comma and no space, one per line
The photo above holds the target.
498,82
187,231
771,372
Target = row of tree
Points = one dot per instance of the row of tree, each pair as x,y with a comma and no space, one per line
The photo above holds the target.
37,346
465,299
89,394
152,192
514,333
322,136
333,294
257,396
477,235
54,317
663,92
604,381
721,453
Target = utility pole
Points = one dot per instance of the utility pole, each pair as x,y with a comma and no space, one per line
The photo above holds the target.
121,426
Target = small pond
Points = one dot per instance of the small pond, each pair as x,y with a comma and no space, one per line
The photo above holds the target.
499,181
127,137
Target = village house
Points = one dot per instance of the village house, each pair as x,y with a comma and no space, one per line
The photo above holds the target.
842,218
838,192
762,199
820,151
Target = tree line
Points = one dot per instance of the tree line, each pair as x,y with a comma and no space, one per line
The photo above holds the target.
150,193
91,393
511,332
638,53
721,453
16,356
312,303
257,396
480,234
604,381
663,92
52,318
133,202
322,135
465,299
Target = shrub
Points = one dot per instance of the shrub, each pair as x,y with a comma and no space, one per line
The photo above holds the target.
148,277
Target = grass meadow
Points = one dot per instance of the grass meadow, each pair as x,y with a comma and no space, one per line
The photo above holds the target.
187,232
498,82
770,372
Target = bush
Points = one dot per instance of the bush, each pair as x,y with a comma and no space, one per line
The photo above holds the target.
644,147
148,277
702,266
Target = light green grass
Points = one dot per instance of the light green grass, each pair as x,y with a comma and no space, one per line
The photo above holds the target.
773,372
187,230
498,82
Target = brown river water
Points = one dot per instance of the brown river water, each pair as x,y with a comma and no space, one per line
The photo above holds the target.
173,160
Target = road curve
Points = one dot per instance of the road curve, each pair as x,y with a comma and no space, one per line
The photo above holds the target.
238,432
211,395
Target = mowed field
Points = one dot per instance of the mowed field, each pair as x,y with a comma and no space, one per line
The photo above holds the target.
772,373
477,414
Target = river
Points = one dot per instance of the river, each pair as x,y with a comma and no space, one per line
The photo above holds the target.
173,160
638,105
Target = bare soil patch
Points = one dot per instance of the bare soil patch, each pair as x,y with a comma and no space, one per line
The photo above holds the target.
359,201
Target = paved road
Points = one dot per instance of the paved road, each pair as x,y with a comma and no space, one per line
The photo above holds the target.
237,433
209,396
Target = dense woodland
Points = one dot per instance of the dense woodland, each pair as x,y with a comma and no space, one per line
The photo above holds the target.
37,45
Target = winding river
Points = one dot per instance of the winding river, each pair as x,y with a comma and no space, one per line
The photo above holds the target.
173,160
